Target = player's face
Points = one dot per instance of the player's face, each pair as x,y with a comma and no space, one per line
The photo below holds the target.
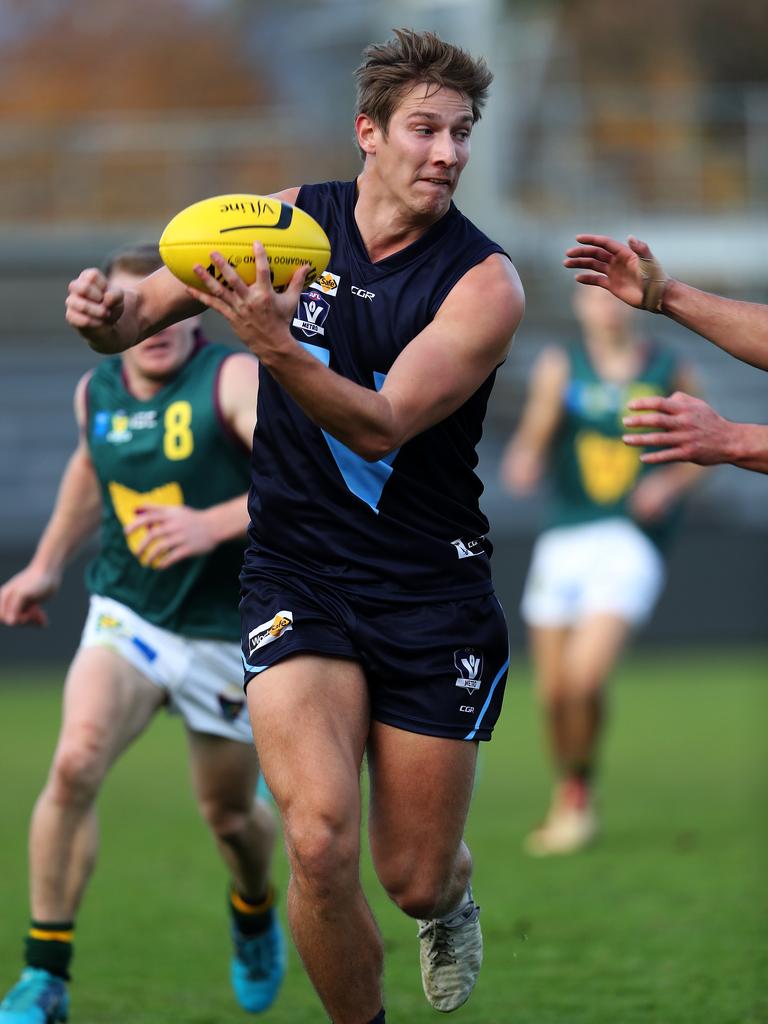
159,357
425,148
601,311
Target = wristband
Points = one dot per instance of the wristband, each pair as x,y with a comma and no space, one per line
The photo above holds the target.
655,282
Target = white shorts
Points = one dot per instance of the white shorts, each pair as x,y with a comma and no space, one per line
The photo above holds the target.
605,566
202,679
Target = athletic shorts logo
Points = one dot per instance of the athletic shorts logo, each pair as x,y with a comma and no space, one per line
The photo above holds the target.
230,707
311,313
327,283
469,547
469,665
269,631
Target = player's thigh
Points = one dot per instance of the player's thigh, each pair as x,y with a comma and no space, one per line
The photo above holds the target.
310,720
593,649
548,646
420,792
107,704
225,772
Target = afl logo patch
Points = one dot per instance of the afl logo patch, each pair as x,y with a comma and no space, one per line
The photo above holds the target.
311,314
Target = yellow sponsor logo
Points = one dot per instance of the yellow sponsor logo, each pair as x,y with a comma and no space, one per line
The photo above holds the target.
607,466
278,625
126,503
108,622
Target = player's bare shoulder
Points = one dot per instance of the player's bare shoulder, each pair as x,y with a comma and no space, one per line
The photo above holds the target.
490,299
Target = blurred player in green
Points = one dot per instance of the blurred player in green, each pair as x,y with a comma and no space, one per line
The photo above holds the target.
162,465
681,427
597,569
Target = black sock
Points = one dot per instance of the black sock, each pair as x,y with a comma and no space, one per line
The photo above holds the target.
252,918
49,946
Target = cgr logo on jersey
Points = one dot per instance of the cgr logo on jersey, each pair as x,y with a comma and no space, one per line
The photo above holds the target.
361,293
267,632
327,283
469,665
470,547
311,313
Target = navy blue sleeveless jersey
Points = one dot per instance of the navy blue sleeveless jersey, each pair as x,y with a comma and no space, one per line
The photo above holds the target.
410,524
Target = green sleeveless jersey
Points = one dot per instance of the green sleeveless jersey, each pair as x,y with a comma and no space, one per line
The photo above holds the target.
172,449
593,472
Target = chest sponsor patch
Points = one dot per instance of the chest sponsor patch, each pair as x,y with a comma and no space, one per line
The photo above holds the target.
270,631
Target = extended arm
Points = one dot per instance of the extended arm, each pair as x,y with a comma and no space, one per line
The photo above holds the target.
76,516
434,374
525,455
112,319
632,274
686,428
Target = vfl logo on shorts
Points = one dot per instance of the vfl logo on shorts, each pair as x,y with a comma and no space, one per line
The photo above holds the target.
269,631
469,665
470,547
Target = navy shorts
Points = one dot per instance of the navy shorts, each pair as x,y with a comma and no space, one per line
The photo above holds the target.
437,667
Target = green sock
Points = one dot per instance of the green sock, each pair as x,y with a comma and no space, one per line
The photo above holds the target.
49,945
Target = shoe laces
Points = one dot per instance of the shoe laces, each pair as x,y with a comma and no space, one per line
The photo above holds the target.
258,952
441,951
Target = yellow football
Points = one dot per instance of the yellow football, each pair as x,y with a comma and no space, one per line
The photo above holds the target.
230,225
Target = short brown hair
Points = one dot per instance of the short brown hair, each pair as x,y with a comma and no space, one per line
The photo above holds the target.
410,58
140,259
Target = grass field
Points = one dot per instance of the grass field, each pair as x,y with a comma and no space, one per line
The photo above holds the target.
664,921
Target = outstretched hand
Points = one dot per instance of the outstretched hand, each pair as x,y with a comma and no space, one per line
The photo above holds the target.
629,271
682,428
257,313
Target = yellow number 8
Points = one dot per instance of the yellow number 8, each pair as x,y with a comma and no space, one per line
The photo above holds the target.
178,442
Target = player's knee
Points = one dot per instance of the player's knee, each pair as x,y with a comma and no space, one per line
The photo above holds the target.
78,769
228,823
419,890
324,854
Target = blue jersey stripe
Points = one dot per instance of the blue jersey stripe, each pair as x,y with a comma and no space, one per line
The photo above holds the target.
501,673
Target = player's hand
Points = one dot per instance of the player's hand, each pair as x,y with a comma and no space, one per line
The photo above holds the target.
683,428
92,303
630,272
521,470
652,498
22,596
173,533
257,313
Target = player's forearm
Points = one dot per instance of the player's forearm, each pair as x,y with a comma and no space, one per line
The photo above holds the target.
359,417
740,328
76,516
747,446
227,520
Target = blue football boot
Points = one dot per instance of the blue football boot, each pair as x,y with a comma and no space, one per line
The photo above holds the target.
37,998
258,966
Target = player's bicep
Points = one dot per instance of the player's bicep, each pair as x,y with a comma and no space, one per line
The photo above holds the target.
468,339
238,395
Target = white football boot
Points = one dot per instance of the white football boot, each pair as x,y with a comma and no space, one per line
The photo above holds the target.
451,954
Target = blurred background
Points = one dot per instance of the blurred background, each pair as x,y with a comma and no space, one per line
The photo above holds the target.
620,118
